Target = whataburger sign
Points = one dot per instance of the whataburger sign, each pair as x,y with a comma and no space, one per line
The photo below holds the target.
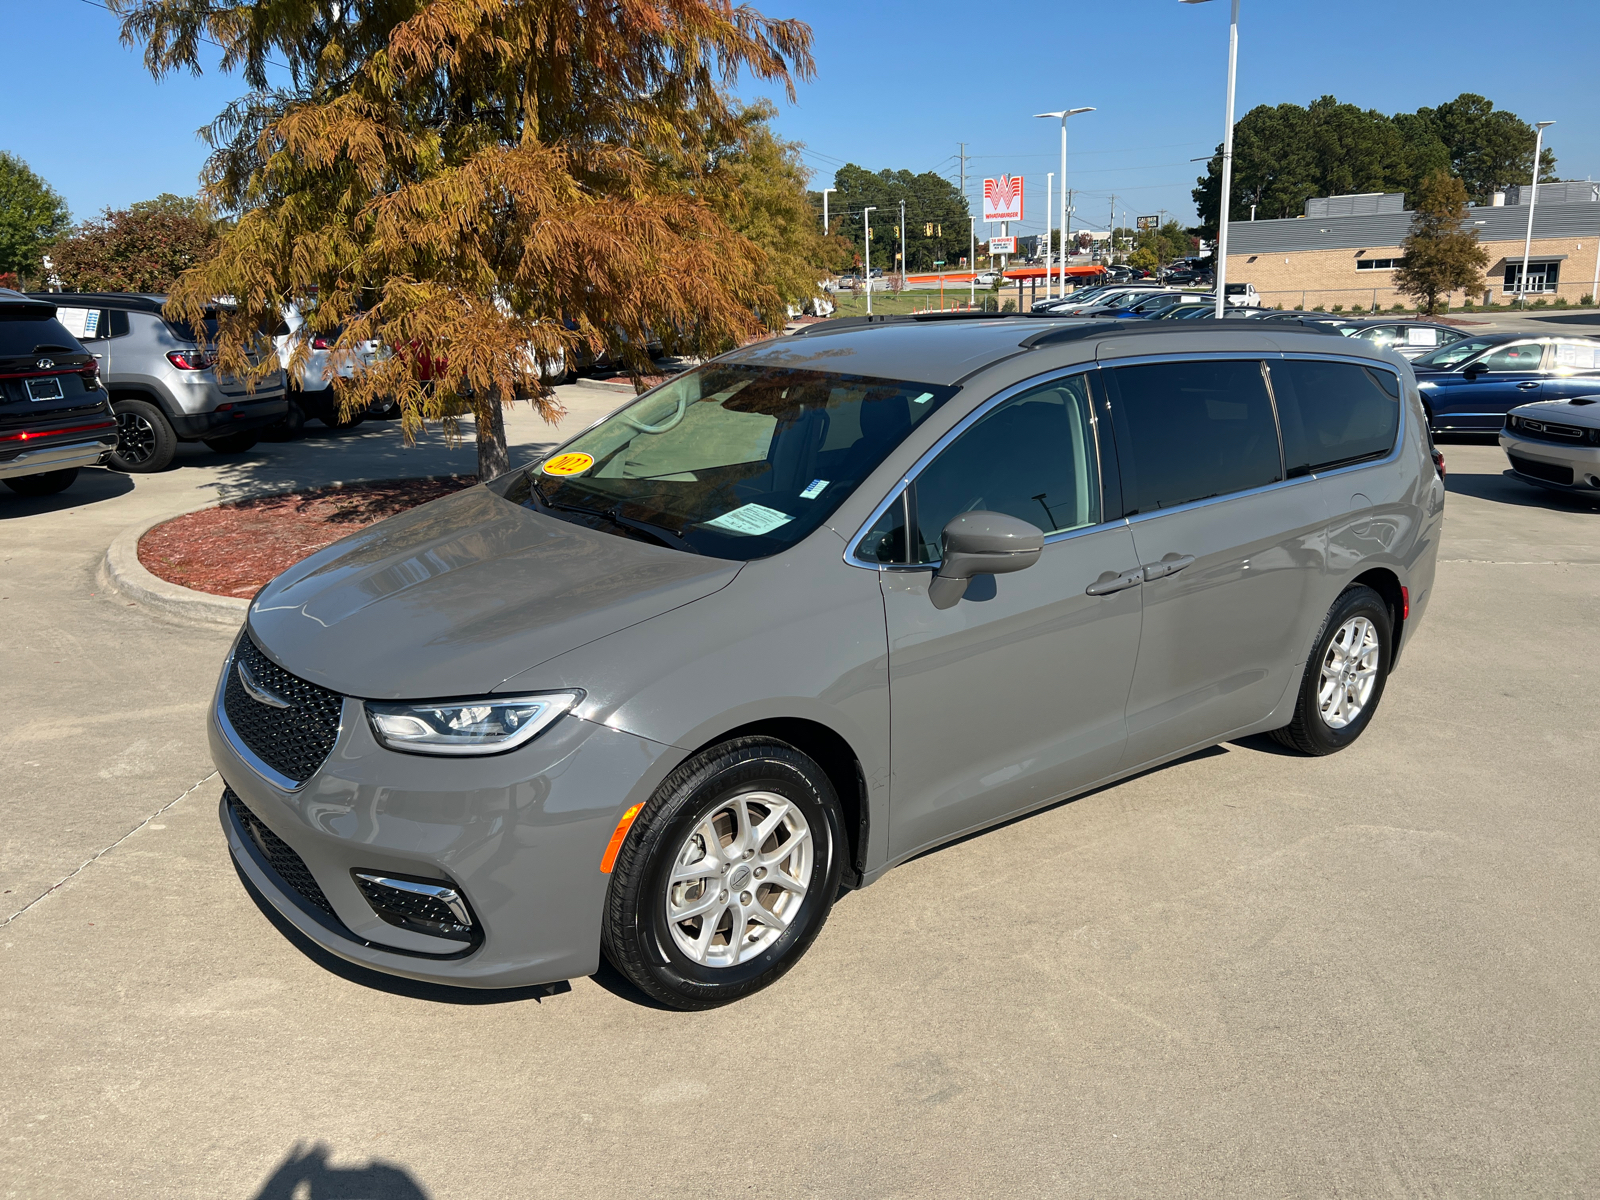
1002,198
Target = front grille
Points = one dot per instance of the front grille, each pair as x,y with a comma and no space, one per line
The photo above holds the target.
290,867
1549,472
1551,431
295,740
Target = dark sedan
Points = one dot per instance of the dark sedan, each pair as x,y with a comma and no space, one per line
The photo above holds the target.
1471,384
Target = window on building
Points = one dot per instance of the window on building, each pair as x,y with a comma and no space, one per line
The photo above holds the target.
1378,264
1542,277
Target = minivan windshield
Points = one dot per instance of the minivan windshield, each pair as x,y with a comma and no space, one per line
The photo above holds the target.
730,460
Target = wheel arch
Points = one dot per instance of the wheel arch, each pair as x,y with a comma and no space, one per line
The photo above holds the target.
1387,584
838,760
123,391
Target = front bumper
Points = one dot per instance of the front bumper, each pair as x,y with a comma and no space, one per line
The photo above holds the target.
58,457
1567,468
520,835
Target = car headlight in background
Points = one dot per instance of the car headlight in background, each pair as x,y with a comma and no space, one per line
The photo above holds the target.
491,725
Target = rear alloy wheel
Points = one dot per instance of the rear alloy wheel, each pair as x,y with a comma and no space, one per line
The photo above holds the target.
1345,676
46,484
145,441
727,876
234,443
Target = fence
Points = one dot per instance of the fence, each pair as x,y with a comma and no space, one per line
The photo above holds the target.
1387,299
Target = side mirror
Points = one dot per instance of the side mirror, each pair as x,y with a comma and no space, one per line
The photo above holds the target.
982,543
1473,370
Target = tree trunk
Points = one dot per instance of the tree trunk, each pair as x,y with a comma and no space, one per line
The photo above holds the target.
493,460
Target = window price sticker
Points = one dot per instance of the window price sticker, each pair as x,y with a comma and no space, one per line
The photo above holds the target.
753,519
813,489
1580,357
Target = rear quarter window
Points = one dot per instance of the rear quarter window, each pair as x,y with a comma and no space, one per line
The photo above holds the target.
1334,413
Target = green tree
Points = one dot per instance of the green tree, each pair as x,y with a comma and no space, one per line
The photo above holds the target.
32,216
485,184
937,229
1488,148
142,248
1441,254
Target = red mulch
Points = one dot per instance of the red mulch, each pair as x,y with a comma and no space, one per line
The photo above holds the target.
234,549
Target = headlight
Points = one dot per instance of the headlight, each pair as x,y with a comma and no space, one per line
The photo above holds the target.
491,725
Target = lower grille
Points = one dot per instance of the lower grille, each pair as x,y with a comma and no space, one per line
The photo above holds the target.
431,906
1549,472
288,865
292,737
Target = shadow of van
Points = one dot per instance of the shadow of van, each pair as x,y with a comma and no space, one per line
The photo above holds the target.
305,1174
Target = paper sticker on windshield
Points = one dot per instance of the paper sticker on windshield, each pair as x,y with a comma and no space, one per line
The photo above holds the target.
922,399
568,464
1422,337
1568,355
813,489
754,519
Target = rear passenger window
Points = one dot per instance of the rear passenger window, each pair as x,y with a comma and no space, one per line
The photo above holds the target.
1032,457
1334,413
1192,430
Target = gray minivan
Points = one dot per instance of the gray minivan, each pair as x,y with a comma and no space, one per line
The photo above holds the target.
803,613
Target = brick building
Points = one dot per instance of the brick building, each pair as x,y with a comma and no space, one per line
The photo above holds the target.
1345,248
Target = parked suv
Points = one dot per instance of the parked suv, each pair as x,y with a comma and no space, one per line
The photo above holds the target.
806,612
164,388
54,415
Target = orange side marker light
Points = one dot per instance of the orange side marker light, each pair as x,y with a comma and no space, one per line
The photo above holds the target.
609,859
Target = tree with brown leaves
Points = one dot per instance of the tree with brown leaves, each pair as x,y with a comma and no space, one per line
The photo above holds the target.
483,185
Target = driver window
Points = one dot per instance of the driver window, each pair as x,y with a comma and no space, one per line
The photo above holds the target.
1032,457
1524,357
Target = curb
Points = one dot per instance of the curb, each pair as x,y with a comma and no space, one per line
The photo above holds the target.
601,385
122,570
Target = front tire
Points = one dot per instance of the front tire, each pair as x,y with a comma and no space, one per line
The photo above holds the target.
1344,676
47,483
145,441
727,876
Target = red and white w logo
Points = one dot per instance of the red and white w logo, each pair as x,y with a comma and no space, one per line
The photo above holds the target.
1002,198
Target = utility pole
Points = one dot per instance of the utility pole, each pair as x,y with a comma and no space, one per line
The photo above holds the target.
825,192
866,250
963,146
902,245
1111,232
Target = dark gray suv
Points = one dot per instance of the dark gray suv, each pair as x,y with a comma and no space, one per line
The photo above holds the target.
804,613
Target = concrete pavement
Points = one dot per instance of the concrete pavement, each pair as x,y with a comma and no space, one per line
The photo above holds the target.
1248,973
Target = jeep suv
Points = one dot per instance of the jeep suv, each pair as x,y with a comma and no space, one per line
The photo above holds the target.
54,415
164,387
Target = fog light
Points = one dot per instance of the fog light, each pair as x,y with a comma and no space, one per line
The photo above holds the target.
431,907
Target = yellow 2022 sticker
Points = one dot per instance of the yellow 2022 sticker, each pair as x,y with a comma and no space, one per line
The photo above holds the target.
569,464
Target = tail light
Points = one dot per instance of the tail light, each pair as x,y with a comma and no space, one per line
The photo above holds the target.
91,376
190,360
321,343
1438,461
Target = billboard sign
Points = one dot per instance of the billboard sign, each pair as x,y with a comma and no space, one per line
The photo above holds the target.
1002,245
1002,198
1148,222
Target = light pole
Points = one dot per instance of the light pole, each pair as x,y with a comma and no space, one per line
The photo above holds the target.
866,251
1063,114
1227,161
825,192
902,245
1049,203
1533,198
972,262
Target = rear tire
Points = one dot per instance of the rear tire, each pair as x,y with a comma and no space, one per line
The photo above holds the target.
1344,676
46,484
291,427
145,441
764,889
234,443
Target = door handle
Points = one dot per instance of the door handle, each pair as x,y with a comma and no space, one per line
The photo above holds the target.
1167,566
1531,383
1104,586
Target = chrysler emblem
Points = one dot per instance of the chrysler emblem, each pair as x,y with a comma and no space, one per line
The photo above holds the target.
45,364
258,693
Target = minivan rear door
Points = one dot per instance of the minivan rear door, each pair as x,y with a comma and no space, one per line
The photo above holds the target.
1015,695
1232,556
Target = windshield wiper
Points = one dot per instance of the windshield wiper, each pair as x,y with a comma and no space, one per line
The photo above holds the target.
669,538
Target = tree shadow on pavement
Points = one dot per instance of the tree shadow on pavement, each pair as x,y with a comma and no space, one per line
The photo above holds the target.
92,485
394,985
304,1174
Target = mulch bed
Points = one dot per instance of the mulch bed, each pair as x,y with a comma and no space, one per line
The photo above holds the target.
233,549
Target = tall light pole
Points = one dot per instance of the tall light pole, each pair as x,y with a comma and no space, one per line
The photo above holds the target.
972,262
825,192
1533,198
1049,203
1063,114
866,250
1227,161
902,245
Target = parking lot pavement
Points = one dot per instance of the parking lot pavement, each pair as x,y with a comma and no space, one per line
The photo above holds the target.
1247,973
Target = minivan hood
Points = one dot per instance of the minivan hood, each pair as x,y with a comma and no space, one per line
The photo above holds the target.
454,597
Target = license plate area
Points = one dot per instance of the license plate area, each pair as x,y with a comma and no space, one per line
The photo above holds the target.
48,388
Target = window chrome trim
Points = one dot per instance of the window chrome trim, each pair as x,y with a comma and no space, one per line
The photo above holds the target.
972,418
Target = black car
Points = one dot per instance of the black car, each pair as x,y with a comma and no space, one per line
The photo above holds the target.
54,415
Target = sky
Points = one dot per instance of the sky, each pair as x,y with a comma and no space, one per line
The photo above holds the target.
899,83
